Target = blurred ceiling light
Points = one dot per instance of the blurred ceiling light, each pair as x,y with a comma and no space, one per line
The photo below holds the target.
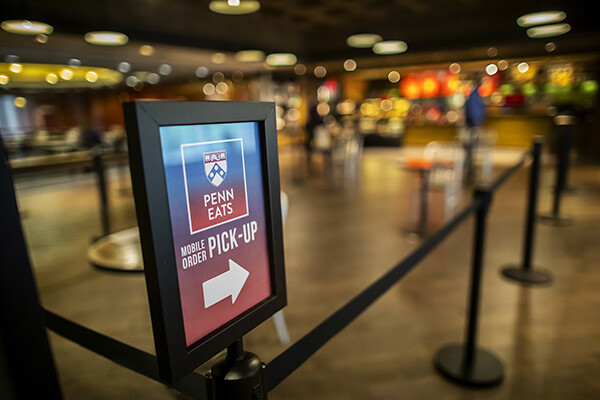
323,109
52,78
363,40
106,38
25,27
91,76
491,69
38,76
20,102
320,71
208,89
390,47
221,88
165,69
153,78
299,69
218,77
124,67
548,31
41,38
202,72
281,59
350,65
218,58
492,52
454,68
237,76
131,81
225,7
386,105
74,62
146,50
15,68
250,56
4,79
394,76
233,3
11,58
66,74
502,65
523,67
539,18
550,47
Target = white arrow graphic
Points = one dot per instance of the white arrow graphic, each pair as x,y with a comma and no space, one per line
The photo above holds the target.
229,283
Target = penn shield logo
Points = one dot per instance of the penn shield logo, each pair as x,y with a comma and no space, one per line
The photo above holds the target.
215,167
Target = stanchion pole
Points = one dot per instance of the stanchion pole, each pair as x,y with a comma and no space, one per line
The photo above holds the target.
101,180
564,123
238,375
465,363
525,272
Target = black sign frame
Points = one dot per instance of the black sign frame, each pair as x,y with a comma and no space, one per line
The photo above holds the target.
143,120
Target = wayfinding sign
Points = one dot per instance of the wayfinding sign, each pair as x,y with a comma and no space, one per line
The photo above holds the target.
206,186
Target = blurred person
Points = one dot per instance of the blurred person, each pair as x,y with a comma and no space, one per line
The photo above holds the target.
314,120
475,113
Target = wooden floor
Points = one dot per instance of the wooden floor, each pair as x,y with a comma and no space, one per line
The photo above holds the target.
343,231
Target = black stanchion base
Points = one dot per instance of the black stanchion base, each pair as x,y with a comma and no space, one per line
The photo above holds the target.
555,220
529,276
486,370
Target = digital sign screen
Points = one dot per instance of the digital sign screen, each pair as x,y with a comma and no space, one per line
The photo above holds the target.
216,203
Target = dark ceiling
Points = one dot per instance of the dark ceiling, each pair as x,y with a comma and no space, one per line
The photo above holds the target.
314,29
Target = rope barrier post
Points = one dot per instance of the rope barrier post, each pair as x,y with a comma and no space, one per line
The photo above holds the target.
102,191
238,375
525,273
553,218
465,363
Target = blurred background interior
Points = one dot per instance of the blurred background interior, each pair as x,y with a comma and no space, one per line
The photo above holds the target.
378,148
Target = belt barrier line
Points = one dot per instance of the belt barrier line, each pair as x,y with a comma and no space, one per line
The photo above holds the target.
193,385
509,172
288,361
197,386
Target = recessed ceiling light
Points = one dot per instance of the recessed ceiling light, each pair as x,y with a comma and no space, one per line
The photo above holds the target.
394,76
202,72
550,47
25,27
165,69
15,68
218,58
66,74
124,67
91,76
320,71
224,7
281,59
250,56
299,69
523,67
454,68
74,62
4,79
153,78
20,102
363,40
390,47
491,69
146,50
538,18
106,38
548,31
350,65
208,89
502,65
41,38
52,78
